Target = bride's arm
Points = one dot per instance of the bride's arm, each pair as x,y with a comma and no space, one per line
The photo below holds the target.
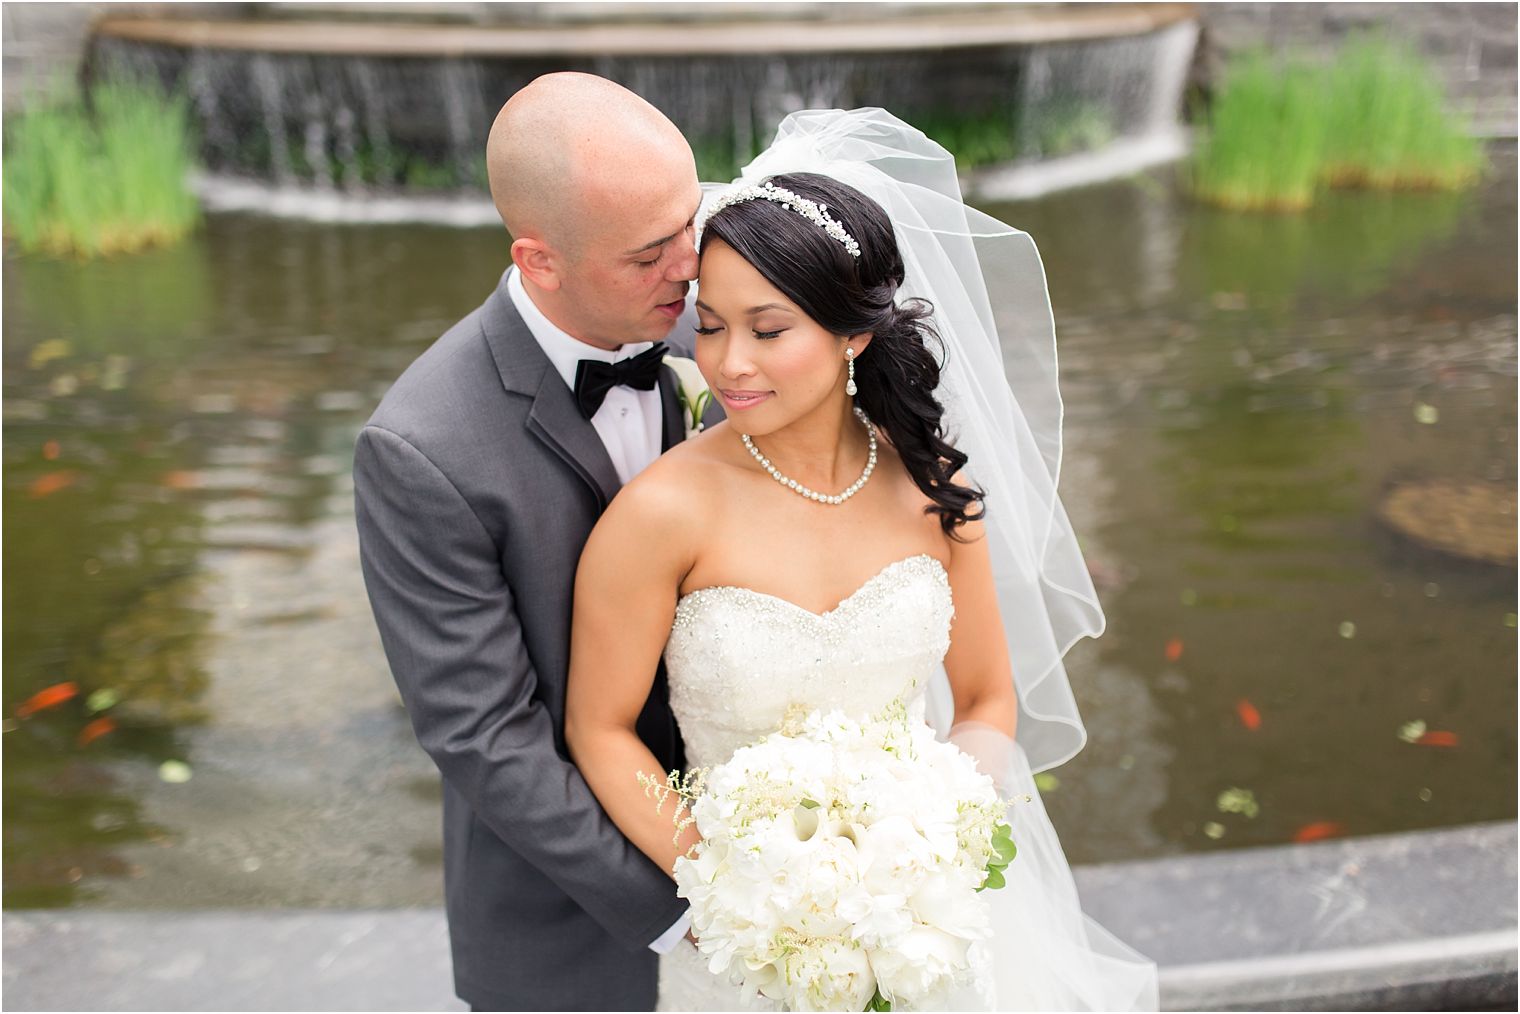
625,598
981,676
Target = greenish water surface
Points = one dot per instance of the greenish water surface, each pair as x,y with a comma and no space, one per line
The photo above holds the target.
1240,390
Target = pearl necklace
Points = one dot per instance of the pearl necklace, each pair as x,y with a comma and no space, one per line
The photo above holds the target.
802,490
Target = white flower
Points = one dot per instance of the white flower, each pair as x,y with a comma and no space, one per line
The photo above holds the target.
761,978
876,920
947,902
895,857
836,847
830,975
921,962
692,388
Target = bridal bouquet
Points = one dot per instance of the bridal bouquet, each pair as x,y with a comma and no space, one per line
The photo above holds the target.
841,863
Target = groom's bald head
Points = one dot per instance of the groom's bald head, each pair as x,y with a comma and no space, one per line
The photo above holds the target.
568,148
600,193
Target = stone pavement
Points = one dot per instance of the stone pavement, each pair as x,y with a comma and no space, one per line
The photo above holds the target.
235,961
1421,921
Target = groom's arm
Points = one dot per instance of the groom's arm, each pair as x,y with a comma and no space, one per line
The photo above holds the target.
455,647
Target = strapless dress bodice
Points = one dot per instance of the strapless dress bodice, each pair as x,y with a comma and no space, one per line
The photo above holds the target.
739,660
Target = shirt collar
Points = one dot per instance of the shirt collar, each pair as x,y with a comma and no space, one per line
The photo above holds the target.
564,352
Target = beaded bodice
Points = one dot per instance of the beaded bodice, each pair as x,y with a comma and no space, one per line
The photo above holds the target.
738,659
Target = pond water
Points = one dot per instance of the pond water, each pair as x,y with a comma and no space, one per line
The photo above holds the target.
1240,393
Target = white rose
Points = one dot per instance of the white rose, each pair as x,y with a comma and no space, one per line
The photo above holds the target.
894,857
824,868
745,895
876,920
948,902
831,975
919,963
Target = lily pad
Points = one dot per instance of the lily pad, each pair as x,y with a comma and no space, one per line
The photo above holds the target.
174,772
1237,800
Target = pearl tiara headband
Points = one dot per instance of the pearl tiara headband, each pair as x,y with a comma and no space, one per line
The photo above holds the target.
814,212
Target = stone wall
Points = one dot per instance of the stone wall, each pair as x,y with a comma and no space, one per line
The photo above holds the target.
41,42
1472,45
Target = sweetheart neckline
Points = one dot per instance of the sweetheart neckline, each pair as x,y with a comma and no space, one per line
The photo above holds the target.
873,579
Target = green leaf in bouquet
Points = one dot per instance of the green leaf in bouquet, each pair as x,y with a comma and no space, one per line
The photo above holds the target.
995,879
1002,843
811,804
879,1002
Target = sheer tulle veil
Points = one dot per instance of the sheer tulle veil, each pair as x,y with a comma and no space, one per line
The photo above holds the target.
999,388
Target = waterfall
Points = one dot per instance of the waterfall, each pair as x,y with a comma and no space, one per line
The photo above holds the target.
372,128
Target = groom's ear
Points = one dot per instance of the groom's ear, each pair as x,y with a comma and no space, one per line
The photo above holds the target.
536,262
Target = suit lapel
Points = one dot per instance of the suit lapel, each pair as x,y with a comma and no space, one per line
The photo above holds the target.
672,414
553,417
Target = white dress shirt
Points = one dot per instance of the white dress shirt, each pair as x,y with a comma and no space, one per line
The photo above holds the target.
629,423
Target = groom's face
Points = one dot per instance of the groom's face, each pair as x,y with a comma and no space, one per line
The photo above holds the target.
628,280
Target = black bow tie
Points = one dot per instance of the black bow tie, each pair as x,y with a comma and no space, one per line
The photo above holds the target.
593,378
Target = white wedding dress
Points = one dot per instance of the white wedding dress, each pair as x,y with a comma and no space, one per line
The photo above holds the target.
738,659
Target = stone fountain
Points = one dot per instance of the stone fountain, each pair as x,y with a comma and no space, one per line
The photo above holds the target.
305,105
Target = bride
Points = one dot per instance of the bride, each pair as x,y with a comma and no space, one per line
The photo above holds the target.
876,519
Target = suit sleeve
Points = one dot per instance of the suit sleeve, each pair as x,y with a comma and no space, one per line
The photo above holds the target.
455,647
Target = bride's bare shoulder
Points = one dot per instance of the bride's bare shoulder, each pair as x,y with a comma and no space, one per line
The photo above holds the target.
684,486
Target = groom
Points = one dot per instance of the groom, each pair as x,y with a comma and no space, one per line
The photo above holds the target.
476,483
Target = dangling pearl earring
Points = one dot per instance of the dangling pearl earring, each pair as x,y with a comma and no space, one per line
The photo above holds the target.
849,384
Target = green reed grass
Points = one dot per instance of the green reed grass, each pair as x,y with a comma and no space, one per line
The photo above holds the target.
107,174
1265,146
1389,127
1280,132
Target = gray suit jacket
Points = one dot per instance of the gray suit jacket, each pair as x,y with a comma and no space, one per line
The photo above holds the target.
476,483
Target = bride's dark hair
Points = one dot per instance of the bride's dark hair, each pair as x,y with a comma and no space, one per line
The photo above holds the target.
897,373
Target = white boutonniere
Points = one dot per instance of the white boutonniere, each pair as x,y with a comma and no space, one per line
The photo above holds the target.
691,387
